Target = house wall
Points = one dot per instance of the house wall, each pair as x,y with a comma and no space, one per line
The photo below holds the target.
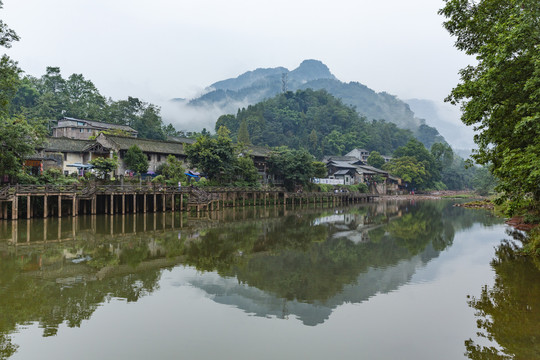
81,133
62,160
71,158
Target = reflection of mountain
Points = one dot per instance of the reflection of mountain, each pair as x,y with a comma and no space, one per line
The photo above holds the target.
254,301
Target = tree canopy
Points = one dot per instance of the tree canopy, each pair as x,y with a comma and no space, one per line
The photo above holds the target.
18,140
136,160
295,167
52,97
104,166
220,160
500,95
375,159
416,150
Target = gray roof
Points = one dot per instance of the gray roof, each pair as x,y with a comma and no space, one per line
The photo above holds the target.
327,159
147,145
259,151
372,169
341,164
182,140
63,144
102,125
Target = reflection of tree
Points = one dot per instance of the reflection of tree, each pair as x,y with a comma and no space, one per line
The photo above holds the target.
25,298
319,272
417,227
509,312
134,254
6,347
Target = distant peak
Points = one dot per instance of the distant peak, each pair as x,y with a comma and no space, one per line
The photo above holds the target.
312,70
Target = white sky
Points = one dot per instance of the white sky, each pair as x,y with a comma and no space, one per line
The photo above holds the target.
161,49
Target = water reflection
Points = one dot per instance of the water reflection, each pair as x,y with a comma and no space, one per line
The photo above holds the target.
270,262
508,313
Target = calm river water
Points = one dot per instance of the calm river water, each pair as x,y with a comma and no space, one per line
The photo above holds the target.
391,280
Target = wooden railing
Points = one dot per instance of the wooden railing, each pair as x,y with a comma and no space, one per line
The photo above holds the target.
90,190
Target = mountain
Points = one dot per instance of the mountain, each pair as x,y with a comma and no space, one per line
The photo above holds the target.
254,86
446,118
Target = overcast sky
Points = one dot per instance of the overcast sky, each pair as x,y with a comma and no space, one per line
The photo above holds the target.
161,49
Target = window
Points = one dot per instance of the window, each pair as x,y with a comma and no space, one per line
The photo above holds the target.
80,123
81,130
65,156
159,157
149,156
88,130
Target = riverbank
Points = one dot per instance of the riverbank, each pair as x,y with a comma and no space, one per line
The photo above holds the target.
435,195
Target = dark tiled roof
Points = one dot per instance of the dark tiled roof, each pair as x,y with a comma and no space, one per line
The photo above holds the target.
339,158
63,144
373,169
259,151
102,125
181,140
341,164
148,146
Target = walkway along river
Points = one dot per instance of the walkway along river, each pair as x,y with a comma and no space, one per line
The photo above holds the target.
30,201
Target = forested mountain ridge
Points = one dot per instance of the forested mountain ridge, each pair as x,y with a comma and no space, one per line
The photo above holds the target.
260,84
315,121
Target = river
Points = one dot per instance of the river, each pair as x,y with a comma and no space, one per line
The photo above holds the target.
390,280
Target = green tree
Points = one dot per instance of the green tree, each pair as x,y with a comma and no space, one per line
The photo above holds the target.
136,160
418,151
104,166
216,158
409,170
319,169
170,130
9,82
295,167
246,171
243,133
149,125
26,98
375,159
443,154
9,71
173,170
18,140
500,95
82,99
483,181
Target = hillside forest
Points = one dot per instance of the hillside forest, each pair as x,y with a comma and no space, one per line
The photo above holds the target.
323,125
